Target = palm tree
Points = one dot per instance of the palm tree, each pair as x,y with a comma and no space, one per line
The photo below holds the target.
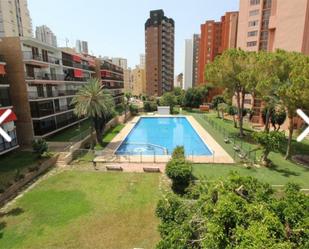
97,104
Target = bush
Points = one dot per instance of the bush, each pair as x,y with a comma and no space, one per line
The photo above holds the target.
150,106
18,175
179,153
39,147
179,171
133,110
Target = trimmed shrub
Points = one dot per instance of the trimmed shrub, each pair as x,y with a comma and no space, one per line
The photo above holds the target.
179,153
179,171
39,147
133,110
150,106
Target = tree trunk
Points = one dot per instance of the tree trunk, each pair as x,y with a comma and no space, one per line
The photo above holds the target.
264,159
235,123
267,119
241,103
291,129
99,125
91,134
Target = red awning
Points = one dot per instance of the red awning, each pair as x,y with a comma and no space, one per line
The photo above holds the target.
78,73
2,69
11,117
77,58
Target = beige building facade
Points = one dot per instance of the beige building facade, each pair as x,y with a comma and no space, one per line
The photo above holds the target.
138,77
274,24
15,19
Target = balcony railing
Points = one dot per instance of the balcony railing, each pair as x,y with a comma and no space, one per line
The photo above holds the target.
2,58
4,80
55,77
50,94
38,57
71,63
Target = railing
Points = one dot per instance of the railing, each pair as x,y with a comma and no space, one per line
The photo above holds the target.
243,152
56,77
71,63
38,57
50,94
4,80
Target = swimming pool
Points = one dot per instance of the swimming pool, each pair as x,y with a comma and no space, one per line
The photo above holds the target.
160,136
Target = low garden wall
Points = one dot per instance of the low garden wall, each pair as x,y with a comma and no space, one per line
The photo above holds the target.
29,177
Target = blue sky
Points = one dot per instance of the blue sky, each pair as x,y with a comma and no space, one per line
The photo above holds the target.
116,27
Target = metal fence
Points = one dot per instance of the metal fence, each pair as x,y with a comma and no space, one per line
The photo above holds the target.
242,151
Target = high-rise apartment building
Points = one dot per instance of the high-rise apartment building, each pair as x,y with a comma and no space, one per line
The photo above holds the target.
210,43
216,37
5,103
159,39
112,78
269,25
188,71
82,47
15,19
43,80
127,80
196,45
120,62
138,81
272,24
179,81
44,34
142,61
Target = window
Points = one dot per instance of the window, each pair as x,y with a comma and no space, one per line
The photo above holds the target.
251,44
252,33
254,2
254,12
253,23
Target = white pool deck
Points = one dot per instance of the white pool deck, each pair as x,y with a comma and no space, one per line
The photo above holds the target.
108,154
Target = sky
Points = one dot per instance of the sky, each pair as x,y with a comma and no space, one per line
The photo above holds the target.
115,28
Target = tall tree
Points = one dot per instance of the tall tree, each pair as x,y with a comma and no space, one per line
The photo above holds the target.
233,70
97,104
267,72
294,88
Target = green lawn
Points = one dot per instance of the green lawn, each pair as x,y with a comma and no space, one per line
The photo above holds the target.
71,133
13,161
109,135
77,209
280,173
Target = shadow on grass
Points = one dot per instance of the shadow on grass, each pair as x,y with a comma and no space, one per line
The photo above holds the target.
284,171
12,212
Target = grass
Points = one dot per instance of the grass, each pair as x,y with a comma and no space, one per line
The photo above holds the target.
282,171
75,209
109,135
70,133
15,161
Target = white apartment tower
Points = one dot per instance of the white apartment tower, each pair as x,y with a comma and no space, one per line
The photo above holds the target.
188,72
44,34
82,47
15,18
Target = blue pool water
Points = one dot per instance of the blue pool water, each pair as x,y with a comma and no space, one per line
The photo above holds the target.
160,136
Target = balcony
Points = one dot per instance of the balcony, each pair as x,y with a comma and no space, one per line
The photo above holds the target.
71,63
55,77
29,56
4,80
53,124
50,94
